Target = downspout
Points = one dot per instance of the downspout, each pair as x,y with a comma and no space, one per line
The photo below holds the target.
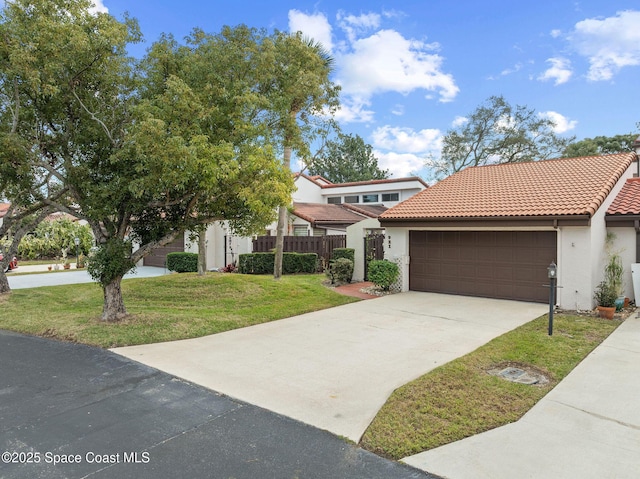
636,223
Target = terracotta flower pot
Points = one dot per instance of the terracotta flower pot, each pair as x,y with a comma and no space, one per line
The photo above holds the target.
606,312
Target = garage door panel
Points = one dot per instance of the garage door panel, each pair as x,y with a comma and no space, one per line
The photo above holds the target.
501,264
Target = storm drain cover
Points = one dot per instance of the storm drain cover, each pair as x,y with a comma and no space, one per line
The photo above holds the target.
518,375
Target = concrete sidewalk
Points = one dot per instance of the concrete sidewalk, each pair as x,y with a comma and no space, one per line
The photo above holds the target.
72,276
588,426
335,368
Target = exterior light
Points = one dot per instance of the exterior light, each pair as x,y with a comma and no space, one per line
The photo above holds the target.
552,271
636,146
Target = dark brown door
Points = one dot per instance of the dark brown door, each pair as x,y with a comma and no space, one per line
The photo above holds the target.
159,255
494,264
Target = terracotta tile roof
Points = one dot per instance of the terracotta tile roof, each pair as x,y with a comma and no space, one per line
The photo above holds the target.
4,207
628,200
372,211
319,213
566,186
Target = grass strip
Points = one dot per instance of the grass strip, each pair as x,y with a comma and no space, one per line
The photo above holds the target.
165,308
461,399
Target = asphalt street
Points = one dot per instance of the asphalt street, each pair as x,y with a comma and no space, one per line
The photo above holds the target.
72,411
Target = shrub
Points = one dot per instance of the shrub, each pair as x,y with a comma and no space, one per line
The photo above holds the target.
383,273
230,268
50,237
182,262
348,253
340,271
262,263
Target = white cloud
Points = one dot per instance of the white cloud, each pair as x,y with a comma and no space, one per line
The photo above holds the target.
560,71
555,33
98,7
357,25
315,26
398,110
353,111
459,121
388,62
609,44
563,124
399,164
407,140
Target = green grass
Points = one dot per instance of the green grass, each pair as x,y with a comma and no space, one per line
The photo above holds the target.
460,399
176,306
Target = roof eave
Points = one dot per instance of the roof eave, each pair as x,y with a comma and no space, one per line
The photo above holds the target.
489,221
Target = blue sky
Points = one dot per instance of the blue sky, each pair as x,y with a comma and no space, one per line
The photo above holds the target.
410,70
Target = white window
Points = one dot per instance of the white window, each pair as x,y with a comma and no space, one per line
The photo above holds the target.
334,200
300,231
352,199
390,196
369,198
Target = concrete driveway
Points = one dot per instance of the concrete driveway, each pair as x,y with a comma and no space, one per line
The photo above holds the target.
334,369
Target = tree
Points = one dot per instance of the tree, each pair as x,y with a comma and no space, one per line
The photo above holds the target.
348,159
496,132
146,151
297,83
600,145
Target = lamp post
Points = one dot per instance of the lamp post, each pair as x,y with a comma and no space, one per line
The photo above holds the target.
77,242
552,274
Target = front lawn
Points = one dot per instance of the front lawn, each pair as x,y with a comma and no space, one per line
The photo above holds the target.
166,308
461,398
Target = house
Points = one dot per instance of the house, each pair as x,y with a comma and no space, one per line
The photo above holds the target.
319,219
347,202
493,230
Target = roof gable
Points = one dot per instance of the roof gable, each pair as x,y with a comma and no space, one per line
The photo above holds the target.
628,200
561,187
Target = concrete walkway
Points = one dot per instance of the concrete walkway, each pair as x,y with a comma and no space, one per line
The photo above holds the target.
73,276
588,426
335,368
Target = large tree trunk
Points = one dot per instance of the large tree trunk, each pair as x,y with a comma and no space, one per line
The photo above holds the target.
282,223
113,308
282,220
4,282
202,253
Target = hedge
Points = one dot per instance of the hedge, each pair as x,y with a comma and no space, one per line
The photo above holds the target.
383,273
262,263
348,253
182,262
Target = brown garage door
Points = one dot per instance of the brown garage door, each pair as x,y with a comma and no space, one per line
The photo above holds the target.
494,264
159,255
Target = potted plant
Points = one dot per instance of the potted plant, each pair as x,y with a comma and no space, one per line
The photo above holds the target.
605,297
80,261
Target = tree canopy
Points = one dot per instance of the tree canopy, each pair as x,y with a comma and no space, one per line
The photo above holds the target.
600,145
142,150
346,159
497,132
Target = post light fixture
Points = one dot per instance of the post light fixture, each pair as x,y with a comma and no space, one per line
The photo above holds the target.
636,146
552,274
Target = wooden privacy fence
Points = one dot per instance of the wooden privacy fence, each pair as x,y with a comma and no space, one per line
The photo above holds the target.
323,246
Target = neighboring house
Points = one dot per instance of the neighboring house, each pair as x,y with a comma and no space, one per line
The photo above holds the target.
493,230
4,208
358,200
317,219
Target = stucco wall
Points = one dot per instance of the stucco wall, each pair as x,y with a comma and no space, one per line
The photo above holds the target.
574,268
355,240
